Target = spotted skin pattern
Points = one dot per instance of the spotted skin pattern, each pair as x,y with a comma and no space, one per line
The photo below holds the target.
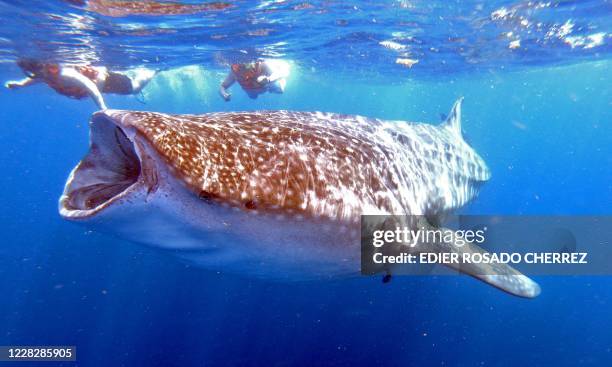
317,165
276,188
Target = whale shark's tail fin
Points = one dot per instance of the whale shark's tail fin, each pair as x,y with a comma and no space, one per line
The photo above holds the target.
453,119
498,275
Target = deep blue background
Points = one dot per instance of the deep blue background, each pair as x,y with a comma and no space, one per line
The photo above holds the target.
545,134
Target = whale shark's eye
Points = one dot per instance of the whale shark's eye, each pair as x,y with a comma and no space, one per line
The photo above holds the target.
251,204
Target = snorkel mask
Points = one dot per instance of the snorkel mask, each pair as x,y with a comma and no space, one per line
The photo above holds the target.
31,68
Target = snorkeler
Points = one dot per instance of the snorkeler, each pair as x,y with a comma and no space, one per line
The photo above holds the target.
257,77
80,81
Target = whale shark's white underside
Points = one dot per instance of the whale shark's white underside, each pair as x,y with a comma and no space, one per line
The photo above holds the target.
273,193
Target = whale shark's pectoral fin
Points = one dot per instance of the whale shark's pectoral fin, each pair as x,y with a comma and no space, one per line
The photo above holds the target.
498,275
453,119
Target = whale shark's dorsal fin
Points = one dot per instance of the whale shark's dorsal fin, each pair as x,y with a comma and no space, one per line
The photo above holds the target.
453,120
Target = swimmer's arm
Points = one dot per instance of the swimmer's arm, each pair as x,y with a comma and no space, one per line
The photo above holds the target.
78,78
12,84
229,80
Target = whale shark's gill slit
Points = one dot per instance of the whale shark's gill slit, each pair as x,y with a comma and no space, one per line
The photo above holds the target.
124,144
110,167
207,196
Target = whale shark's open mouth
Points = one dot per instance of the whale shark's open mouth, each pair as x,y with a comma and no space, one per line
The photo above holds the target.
105,174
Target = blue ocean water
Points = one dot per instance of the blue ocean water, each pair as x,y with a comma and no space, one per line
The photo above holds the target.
538,114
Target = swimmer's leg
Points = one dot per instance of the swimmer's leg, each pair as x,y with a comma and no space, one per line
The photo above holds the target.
140,78
277,86
140,97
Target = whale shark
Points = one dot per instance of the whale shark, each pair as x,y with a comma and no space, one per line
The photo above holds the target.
275,194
